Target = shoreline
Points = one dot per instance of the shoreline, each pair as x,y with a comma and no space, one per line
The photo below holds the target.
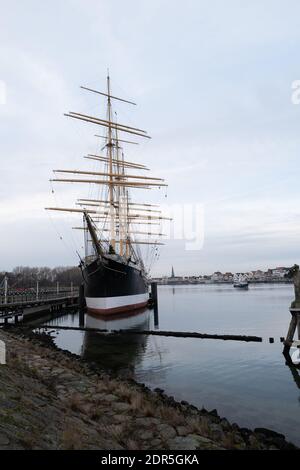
213,283
52,399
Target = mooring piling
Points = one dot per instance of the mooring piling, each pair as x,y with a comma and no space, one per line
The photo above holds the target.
156,319
153,302
82,305
295,321
154,293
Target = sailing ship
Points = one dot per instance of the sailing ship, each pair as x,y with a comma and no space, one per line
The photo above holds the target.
114,274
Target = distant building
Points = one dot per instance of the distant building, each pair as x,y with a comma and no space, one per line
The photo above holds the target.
279,272
228,276
217,276
258,275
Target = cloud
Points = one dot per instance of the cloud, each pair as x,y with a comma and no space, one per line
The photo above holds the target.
213,84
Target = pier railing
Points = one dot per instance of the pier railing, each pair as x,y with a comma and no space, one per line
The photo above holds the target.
31,295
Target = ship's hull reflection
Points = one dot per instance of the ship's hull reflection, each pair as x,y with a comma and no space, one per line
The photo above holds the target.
118,352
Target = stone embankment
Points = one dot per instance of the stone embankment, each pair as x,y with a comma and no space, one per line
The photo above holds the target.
51,399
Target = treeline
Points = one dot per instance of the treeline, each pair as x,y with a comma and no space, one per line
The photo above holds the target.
25,276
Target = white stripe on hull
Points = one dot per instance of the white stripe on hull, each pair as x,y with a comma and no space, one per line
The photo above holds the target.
116,304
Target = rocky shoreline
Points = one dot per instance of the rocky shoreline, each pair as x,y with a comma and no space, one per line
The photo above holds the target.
52,399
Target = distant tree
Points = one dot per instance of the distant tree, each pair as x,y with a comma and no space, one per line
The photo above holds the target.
26,276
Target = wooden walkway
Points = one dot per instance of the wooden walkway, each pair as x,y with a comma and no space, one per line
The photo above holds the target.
34,307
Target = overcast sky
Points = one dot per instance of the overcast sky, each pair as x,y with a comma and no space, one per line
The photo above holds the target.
212,80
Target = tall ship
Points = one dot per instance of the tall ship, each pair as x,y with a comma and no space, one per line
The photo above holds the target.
115,276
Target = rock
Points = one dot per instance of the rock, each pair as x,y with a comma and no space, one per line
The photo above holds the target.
110,398
269,433
182,430
58,371
121,406
166,431
155,443
253,442
201,439
225,424
238,439
43,397
68,376
147,422
4,441
183,443
280,443
85,408
245,432
235,427
217,431
120,418
146,435
7,404
98,396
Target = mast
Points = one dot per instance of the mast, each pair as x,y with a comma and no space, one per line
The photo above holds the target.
111,187
113,211
120,172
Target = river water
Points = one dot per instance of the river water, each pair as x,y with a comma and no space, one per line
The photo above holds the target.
248,383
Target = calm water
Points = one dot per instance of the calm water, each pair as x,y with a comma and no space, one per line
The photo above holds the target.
249,383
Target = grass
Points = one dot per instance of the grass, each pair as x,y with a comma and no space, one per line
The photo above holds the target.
172,416
228,440
70,438
75,402
199,425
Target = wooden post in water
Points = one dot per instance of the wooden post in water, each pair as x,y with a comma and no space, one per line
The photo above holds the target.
293,273
82,305
155,303
156,318
154,292
295,321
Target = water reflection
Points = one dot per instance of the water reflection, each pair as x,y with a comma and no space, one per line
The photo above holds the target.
294,368
119,353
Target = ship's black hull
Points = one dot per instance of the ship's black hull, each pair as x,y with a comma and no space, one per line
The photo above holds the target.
112,286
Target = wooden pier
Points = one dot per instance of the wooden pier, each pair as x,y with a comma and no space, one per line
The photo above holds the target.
294,323
31,305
